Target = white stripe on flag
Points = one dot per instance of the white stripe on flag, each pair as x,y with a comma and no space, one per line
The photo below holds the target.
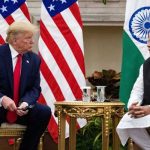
63,55
46,91
62,43
55,70
3,26
74,27
18,15
49,98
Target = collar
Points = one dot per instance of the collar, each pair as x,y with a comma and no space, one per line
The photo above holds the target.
14,53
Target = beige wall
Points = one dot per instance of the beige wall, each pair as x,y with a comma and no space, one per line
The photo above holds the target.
103,48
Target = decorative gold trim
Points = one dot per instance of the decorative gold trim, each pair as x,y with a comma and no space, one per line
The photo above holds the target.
80,109
11,132
17,132
91,104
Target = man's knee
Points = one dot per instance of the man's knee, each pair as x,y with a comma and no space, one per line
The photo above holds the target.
44,111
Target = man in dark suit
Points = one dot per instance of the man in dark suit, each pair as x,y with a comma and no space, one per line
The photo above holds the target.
18,97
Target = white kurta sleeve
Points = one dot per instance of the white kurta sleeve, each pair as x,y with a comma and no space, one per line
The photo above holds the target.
138,89
127,123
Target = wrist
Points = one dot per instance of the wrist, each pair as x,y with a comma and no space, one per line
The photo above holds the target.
2,99
148,109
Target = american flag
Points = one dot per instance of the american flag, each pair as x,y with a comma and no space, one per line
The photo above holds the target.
61,50
10,11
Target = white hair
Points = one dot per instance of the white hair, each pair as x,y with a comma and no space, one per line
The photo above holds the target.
19,27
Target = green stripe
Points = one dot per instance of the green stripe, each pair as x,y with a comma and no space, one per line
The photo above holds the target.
131,62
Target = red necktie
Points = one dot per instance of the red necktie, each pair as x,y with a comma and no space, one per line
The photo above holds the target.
11,115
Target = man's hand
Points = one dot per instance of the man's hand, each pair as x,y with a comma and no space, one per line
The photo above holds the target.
8,103
21,110
137,111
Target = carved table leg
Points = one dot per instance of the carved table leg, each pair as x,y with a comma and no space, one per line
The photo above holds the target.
105,128
117,115
116,141
72,136
61,130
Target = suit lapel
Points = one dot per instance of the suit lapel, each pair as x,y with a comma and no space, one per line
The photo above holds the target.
9,67
24,72
26,68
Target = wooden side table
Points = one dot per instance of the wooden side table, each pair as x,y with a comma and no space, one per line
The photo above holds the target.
78,109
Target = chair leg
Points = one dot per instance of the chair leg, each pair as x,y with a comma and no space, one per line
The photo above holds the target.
130,144
18,141
40,146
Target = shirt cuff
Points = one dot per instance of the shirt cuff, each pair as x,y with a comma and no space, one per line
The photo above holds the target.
1,101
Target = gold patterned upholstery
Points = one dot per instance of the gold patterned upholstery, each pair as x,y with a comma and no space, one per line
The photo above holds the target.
16,131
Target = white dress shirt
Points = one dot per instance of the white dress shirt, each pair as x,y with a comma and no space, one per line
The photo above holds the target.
127,122
14,55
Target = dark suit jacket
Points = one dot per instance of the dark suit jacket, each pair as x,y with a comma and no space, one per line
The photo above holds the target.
30,77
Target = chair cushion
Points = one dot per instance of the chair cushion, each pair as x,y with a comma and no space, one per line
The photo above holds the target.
12,126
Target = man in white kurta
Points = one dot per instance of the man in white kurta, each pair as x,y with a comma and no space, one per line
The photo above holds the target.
134,123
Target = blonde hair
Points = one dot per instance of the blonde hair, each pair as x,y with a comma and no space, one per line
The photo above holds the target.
19,27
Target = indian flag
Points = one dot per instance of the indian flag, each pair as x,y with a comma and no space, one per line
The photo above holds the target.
135,51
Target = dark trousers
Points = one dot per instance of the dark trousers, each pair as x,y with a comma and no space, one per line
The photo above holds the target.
36,121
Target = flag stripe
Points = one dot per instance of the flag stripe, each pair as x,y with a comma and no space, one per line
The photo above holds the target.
25,11
61,50
74,27
55,70
129,57
45,97
51,81
71,40
9,20
62,44
1,40
76,13
46,92
135,49
53,129
16,15
55,51
4,26
41,99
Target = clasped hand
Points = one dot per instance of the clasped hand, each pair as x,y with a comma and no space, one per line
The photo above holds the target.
10,105
137,111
